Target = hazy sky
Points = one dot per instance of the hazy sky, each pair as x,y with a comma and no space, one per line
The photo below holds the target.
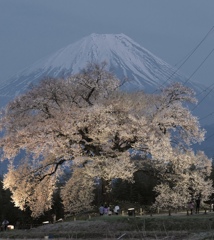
32,29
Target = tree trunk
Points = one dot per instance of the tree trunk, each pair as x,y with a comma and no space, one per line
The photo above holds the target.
105,192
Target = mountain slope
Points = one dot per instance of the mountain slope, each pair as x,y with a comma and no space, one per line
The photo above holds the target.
124,57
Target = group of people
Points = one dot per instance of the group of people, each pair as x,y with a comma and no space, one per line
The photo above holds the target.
194,205
107,210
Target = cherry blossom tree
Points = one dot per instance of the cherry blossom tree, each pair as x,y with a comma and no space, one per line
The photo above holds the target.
182,173
86,124
62,124
184,179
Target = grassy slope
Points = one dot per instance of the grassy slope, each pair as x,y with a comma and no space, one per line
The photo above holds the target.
177,226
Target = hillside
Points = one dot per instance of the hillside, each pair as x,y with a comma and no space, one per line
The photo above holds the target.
177,227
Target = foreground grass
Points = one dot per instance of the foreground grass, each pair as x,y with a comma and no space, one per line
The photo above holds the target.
177,226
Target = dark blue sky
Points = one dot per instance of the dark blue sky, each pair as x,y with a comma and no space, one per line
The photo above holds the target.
32,29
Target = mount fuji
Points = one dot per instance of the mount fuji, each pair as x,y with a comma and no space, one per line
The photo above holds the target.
124,57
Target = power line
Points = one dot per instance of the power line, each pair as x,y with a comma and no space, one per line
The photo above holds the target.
194,73
194,49
210,114
205,90
199,66
208,137
202,99
188,56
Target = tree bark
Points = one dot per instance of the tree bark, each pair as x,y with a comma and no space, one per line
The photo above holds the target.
106,191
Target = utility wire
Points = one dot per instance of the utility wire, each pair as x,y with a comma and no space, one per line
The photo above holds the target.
210,114
210,87
199,66
191,53
194,73
208,137
202,99
194,49
207,88
187,58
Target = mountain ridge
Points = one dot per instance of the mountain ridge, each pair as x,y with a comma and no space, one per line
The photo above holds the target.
125,58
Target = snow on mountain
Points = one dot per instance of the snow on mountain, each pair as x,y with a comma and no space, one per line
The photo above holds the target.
124,57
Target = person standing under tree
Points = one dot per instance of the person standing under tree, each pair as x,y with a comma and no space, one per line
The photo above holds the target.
5,224
106,210
191,207
116,209
101,210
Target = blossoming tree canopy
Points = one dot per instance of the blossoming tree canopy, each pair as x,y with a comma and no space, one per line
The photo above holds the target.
85,123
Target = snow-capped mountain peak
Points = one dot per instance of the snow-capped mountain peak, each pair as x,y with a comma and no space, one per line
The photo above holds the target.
125,58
